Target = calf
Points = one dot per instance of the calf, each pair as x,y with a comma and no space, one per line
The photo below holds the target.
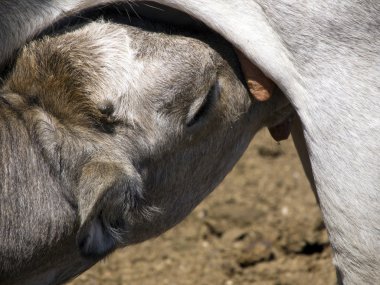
111,135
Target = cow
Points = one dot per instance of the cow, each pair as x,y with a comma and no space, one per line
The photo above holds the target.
324,56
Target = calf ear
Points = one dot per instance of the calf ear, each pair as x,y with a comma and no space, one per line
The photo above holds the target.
106,194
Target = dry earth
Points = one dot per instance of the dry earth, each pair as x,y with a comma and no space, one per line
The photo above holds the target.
261,226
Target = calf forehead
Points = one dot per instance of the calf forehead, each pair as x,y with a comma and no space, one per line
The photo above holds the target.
173,59
105,59
170,64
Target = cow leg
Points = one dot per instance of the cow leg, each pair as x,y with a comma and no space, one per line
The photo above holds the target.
350,211
303,153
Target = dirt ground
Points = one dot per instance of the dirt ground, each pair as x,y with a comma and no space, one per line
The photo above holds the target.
261,226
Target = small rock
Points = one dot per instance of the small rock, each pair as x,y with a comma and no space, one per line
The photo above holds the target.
257,251
234,234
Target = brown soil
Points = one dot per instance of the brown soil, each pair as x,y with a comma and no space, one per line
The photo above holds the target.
261,226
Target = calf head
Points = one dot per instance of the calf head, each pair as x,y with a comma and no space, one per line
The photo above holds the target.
139,124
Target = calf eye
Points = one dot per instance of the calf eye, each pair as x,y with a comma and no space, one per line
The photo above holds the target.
201,108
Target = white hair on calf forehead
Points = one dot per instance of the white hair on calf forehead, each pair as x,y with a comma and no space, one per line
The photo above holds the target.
110,46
